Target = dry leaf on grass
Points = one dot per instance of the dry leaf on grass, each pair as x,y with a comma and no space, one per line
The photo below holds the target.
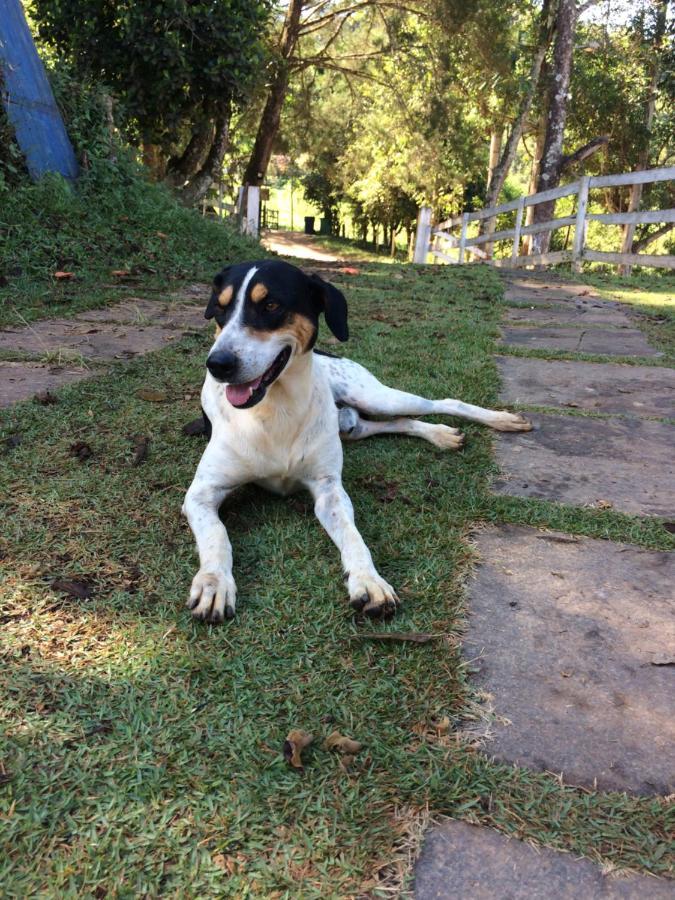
79,590
63,276
81,450
342,744
152,396
295,743
195,428
46,398
141,447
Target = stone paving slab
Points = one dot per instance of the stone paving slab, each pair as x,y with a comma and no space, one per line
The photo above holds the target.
21,381
574,638
578,314
538,291
626,342
597,387
105,341
139,311
577,460
467,862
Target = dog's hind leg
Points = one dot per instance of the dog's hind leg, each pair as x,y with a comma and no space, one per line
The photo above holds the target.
354,428
355,386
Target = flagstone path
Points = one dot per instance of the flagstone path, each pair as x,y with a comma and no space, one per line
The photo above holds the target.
572,638
53,352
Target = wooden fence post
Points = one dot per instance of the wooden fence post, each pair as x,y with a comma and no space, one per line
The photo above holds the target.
250,212
580,225
462,238
422,234
516,237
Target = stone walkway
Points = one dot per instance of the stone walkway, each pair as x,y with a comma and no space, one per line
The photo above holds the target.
572,638
54,352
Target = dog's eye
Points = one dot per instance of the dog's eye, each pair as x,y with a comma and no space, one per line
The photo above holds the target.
271,306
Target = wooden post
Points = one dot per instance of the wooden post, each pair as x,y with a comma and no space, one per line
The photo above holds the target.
250,212
422,234
462,238
516,237
580,224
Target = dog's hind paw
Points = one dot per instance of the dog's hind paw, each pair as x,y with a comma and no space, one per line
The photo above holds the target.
372,596
213,596
506,421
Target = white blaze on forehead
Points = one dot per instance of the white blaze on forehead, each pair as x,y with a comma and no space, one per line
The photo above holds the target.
235,322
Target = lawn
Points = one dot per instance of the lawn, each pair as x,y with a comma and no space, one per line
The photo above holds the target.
141,752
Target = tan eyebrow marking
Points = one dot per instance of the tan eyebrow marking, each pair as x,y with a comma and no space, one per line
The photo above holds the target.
258,293
225,295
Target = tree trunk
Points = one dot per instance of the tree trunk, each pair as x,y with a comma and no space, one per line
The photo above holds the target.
643,159
184,167
496,139
153,160
271,115
509,153
552,158
212,170
534,178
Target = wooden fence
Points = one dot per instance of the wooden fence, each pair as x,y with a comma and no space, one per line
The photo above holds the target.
437,239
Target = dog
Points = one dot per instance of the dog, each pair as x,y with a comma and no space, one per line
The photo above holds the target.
275,410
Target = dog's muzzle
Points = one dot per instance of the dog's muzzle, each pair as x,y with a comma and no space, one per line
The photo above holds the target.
222,365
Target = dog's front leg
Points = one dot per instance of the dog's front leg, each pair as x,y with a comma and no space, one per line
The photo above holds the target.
213,593
368,592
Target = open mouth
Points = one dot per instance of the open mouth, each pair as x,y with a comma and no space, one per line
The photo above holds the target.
247,394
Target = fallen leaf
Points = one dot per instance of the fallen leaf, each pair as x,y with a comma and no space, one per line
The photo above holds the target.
5,777
12,442
342,744
604,504
120,273
160,234
141,446
347,761
81,450
417,637
295,743
46,398
663,660
443,727
195,428
152,396
669,526
79,590
350,270
62,276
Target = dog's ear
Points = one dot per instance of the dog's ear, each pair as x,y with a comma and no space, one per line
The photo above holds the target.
218,282
333,304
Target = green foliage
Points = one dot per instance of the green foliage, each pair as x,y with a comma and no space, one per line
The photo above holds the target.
171,63
113,220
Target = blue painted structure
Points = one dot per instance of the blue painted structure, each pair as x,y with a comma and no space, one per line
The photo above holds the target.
28,98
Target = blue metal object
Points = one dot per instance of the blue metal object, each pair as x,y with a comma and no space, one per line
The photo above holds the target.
28,98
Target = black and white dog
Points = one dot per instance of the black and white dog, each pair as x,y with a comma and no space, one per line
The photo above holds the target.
276,410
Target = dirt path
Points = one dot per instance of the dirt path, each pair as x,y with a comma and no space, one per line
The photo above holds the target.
588,691
297,245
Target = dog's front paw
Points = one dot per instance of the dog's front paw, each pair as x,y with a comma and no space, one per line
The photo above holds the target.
213,596
371,595
507,421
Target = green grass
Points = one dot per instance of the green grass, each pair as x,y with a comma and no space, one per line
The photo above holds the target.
142,751
114,221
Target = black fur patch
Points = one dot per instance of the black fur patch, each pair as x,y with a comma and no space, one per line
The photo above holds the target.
289,293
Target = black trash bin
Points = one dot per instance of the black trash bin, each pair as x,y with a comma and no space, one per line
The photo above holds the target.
309,224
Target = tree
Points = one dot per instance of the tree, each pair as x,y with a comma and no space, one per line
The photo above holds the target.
178,68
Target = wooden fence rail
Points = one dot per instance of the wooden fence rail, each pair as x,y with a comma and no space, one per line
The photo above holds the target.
437,239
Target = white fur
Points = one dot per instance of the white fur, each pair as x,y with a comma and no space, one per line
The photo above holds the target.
291,439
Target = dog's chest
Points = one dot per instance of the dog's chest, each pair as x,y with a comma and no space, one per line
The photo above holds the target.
282,449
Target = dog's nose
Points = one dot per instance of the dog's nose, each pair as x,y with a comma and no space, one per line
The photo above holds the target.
222,364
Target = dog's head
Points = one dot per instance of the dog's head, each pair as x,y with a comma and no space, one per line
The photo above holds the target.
266,314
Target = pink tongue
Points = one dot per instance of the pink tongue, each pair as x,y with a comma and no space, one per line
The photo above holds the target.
238,394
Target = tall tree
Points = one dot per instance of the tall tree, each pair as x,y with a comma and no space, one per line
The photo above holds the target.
179,68
660,8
